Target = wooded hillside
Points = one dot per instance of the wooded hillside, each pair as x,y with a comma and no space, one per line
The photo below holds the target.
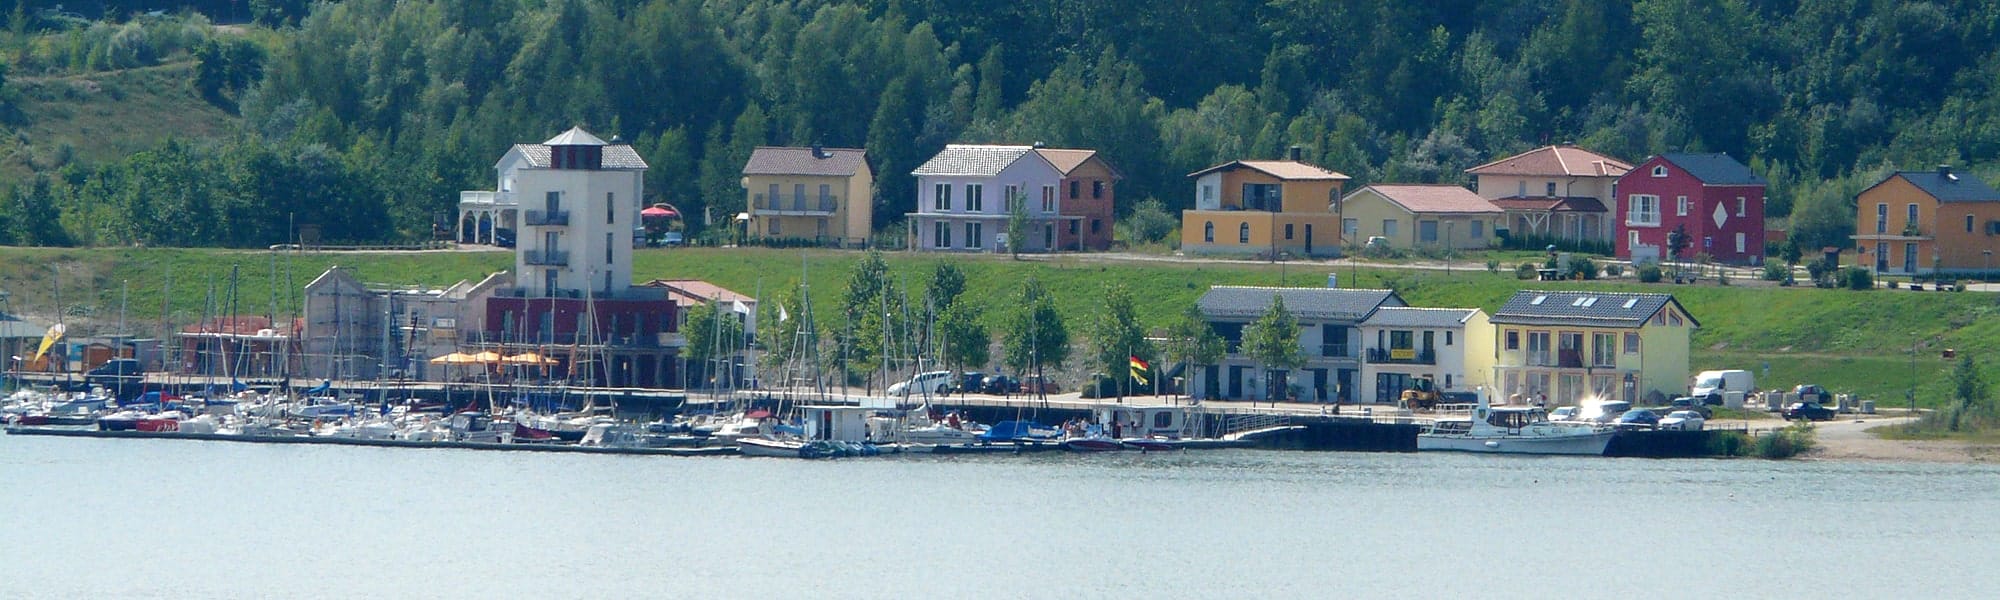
365,117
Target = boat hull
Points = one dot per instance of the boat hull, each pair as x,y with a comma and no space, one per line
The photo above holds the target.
1580,445
1092,445
769,448
1148,445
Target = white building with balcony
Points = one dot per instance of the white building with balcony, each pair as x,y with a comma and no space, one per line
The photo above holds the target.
1329,338
1452,347
965,199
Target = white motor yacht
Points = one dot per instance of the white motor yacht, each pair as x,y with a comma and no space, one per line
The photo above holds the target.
1515,430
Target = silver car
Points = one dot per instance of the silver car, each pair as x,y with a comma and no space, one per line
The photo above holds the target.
1682,420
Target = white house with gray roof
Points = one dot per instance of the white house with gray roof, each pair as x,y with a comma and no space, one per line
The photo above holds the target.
1453,347
964,195
1329,337
1564,347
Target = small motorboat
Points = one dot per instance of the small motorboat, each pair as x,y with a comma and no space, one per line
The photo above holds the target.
1092,443
757,446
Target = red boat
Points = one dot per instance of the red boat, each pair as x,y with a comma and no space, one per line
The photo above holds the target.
160,424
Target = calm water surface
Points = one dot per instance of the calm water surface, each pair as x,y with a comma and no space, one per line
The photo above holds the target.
180,519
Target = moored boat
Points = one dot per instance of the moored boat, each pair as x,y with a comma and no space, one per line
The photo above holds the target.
1515,430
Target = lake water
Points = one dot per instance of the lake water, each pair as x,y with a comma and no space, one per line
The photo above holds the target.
182,519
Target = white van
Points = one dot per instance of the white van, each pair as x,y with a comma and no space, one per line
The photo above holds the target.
1711,384
934,382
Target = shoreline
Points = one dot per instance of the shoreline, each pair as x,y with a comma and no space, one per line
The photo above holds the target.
1854,440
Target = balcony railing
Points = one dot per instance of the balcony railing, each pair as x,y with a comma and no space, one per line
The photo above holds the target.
627,339
796,204
1402,356
1333,350
557,218
550,258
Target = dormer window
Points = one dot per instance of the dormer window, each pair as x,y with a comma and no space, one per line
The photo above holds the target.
1659,170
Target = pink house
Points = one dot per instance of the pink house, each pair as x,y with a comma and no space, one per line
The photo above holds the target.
1718,201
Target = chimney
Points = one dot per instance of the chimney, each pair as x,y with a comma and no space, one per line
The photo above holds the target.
819,150
1296,153
1037,145
1944,171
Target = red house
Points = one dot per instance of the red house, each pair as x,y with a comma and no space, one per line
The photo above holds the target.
1718,201
1087,193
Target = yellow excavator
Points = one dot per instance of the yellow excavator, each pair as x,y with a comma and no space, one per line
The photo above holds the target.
1421,395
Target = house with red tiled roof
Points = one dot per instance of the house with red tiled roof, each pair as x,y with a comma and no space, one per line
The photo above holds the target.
1088,194
1553,192
1264,208
1416,215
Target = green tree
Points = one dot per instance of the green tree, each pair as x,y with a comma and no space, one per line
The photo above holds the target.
1017,223
1037,338
35,220
1273,341
964,339
1150,222
1969,391
1116,337
713,335
867,306
946,283
1194,343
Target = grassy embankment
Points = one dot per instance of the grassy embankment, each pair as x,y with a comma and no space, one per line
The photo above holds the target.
101,117
1847,341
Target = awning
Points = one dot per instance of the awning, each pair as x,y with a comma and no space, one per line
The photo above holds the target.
488,357
529,358
455,358
659,211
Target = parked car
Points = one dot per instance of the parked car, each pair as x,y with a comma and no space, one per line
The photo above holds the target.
1811,393
997,384
1564,413
969,381
503,237
1693,403
1038,384
1639,418
671,239
1710,385
934,382
1604,412
1810,411
1683,420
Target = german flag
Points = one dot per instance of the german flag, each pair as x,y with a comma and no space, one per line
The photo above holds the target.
1140,371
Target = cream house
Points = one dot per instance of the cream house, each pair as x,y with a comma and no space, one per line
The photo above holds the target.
1415,215
816,193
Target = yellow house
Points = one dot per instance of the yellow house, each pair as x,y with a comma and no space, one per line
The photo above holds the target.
1918,221
1409,216
1564,347
817,193
1263,208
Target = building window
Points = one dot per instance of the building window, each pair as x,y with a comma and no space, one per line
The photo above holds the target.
1072,227
1478,229
1742,206
1968,223
1097,188
1513,339
1631,343
973,239
825,196
773,226
1659,170
1207,195
1521,188
1262,196
1010,198
974,200
1208,231
1096,225
1243,233
1074,186
1552,189
1048,199
1603,349
1910,220
610,209
1447,337
1288,231
608,248
1538,349
941,197
1680,206
1631,239
1882,218
1350,228
777,202
942,238
1389,228
1741,241
1643,210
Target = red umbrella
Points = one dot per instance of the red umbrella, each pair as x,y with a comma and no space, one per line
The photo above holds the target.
659,212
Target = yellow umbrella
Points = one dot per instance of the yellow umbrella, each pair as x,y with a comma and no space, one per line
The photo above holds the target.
529,358
455,358
488,357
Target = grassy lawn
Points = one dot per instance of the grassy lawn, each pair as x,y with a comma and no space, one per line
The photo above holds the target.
1847,341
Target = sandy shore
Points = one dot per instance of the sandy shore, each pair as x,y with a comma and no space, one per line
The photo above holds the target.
1850,439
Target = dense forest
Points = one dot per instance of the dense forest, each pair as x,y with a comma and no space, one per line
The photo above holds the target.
365,117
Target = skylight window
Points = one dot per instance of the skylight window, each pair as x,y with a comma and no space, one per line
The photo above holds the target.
1538,300
1630,303
1576,302
1588,302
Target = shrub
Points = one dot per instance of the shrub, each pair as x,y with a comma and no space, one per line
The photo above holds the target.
1859,279
1774,271
1492,266
1614,270
1150,222
1649,273
1525,271
1786,443
1581,267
